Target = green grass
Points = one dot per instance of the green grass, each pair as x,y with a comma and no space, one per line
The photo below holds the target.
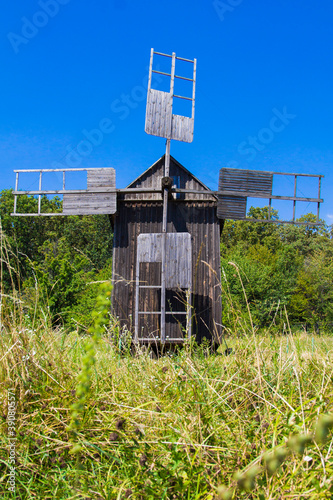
177,427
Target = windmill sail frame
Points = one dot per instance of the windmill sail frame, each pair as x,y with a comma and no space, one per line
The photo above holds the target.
160,120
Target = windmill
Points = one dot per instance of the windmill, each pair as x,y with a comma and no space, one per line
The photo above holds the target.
167,224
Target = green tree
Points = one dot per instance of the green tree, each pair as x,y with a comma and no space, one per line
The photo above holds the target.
312,301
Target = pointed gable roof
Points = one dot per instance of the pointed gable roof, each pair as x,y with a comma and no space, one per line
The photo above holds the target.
155,167
184,179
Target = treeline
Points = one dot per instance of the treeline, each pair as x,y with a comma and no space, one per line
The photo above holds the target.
281,273
286,271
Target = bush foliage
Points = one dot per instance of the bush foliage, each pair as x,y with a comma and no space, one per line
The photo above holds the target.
56,262
283,268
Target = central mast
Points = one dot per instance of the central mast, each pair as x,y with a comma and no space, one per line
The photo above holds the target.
165,203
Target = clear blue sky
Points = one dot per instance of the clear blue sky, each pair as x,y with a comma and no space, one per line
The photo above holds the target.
68,65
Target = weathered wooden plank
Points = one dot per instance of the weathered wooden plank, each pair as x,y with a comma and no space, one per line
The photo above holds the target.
149,312
149,247
158,113
137,274
89,203
194,87
68,191
83,169
178,260
182,128
100,178
163,272
231,207
245,181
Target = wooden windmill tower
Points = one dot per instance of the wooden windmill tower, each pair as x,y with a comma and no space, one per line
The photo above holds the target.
167,225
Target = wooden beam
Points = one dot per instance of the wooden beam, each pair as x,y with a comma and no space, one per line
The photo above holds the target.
173,190
61,169
51,214
90,190
194,84
278,221
137,296
247,194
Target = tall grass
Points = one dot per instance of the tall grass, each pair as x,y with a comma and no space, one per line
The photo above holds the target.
177,427
190,425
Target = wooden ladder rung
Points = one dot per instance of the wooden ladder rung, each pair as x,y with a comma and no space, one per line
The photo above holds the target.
150,286
176,312
149,312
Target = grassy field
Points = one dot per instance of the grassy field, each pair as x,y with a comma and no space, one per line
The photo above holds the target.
95,423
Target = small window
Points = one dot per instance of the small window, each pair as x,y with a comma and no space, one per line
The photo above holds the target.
176,184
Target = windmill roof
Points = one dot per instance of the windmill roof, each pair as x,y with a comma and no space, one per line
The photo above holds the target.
172,159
